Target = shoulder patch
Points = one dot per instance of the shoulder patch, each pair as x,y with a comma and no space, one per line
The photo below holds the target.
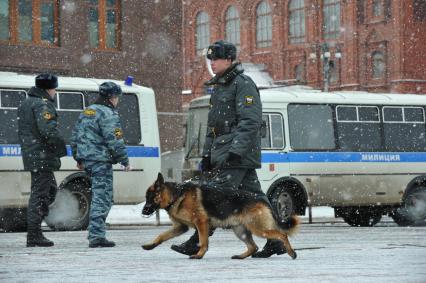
89,112
248,100
118,133
47,115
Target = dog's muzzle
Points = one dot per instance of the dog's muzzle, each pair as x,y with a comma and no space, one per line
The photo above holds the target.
149,209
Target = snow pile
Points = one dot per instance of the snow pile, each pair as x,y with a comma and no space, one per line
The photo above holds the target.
131,215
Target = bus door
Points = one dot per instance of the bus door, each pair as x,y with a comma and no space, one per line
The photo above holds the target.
274,153
349,179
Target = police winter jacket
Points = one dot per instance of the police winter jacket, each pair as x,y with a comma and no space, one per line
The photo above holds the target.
234,120
41,143
98,136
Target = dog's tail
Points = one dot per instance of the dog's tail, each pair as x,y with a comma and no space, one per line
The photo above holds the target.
290,225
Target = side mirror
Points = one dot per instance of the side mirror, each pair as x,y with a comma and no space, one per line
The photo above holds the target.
263,129
185,127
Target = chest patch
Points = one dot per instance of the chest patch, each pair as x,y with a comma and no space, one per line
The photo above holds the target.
210,90
89,112
47,115
248,100
118,133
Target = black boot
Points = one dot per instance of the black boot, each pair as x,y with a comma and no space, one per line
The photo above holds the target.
101,243
271,247
189,247
36,239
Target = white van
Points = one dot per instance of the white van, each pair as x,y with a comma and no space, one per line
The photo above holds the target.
71,209
361,153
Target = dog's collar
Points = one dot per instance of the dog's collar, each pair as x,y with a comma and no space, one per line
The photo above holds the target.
177,192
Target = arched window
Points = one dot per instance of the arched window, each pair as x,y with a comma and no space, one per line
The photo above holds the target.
377,8
232,26
378,65
296,21
331,19
299,72
202,34
263,25
334,74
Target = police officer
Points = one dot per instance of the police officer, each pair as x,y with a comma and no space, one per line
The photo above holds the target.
97,143
233,140
42,146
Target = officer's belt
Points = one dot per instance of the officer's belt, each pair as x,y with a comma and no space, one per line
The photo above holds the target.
217,132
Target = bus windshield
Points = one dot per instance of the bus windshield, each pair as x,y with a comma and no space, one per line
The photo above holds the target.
196,132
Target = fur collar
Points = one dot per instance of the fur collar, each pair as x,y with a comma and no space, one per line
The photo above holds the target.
228,76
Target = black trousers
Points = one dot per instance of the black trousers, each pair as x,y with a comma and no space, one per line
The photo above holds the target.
43,192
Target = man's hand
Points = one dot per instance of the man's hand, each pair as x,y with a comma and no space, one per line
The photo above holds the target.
127,168
233,159
80,166
205,164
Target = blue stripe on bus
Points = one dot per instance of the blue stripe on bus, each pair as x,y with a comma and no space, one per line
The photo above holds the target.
304,157
132,151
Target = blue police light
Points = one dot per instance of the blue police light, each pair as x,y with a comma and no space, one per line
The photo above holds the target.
129,81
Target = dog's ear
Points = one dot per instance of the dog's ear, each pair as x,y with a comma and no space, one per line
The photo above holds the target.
160,179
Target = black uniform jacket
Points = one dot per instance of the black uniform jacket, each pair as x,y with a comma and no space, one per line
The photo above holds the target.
41,143
234,120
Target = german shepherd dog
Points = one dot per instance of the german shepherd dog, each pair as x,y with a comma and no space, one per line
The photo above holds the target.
203,208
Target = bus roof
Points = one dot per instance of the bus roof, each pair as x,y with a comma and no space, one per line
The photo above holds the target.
16,80
306,94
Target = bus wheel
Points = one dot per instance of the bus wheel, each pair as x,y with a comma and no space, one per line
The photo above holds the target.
413,209
284,202
13,220
361,216
70,211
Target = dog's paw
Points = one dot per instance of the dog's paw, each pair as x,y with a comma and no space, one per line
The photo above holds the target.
195,257
294,256
148,246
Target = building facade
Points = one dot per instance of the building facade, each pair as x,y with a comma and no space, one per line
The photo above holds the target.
372,45
108,39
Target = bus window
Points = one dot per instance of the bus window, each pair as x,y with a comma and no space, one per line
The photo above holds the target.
9,102
274,138
360,130
392,114
196,132
266,140
404,128
311,127
69,106
70,100
11,98
128,109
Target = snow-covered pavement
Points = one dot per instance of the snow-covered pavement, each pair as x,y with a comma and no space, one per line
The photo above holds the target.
327,252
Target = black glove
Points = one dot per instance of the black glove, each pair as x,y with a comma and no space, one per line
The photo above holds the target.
233,159
205,164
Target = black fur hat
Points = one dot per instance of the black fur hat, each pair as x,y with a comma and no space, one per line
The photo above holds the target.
46,81
222,50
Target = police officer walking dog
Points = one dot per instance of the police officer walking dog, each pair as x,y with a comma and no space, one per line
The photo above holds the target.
233,140
42,145
97,143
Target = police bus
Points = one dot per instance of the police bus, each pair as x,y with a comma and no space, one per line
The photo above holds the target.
70,211
363,154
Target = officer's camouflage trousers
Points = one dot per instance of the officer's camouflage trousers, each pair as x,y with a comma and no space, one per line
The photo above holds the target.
102,197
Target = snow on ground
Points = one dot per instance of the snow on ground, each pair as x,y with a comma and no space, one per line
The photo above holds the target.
326,253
